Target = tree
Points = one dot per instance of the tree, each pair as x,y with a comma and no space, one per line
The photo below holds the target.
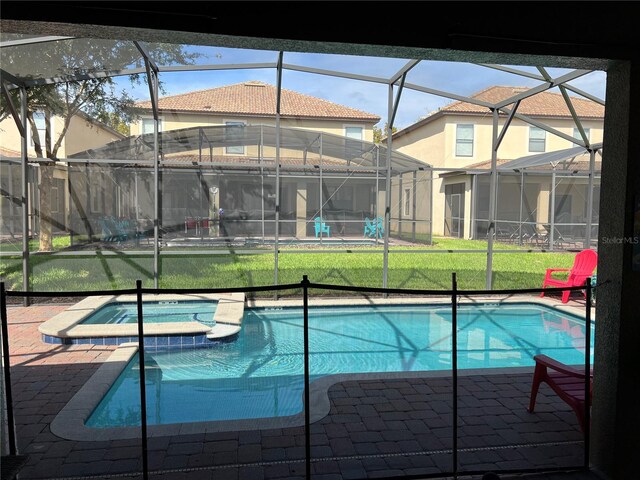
95,95
379,134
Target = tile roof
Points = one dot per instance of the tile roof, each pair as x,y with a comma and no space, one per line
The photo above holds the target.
258,98
543,104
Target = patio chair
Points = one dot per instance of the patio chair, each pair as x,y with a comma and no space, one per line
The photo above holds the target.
190,223
584,264
108,234
565,381
321,227
369,228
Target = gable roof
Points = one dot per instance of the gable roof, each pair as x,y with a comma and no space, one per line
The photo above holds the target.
543,104
540,105
258,99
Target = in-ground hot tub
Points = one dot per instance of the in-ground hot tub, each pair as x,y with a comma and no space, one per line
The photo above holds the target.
169,320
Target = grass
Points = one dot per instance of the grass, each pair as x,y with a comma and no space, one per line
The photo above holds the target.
406,270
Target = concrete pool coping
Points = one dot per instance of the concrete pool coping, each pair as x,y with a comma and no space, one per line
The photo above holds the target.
70,422
67,324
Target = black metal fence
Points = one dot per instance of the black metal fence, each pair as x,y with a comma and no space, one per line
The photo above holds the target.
456,450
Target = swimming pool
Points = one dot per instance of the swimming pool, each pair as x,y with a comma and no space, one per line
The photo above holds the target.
260,374
154,312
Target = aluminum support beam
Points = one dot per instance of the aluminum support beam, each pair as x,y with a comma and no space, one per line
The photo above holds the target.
453,96
515,71
24,172
12,110
552,210
507,123
592,164
402,73
544,127
542,87
33,41
277,216
492,200
333,73
387,197
574,115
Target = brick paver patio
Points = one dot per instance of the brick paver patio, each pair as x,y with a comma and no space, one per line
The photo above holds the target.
376,428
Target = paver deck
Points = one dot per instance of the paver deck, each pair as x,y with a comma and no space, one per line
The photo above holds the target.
375,428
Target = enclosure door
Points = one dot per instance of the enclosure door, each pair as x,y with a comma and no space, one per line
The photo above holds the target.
454,211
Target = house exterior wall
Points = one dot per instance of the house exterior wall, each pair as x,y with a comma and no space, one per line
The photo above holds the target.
435,143
81,135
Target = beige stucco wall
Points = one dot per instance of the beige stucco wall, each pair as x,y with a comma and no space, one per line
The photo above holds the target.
80,136
425,143
435,142
174,121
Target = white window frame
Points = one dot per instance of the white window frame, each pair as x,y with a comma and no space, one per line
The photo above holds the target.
406,211
95,197
587,132
240,148
464,141
542,140
42,132
347,126
150,119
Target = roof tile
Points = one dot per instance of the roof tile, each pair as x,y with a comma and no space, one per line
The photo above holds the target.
544,104
258,98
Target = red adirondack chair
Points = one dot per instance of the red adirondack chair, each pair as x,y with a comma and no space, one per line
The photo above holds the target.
565,381
584,264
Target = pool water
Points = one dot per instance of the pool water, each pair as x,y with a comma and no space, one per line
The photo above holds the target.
154,312
261,373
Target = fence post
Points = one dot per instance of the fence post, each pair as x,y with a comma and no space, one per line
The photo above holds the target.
143,387
454,368
13,448
587,376
307,413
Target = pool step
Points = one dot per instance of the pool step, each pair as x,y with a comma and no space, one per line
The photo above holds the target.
228,316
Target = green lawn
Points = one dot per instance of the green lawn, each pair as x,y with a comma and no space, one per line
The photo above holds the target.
406,270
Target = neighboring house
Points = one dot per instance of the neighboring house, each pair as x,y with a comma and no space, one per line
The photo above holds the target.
83,133
459,135
235,123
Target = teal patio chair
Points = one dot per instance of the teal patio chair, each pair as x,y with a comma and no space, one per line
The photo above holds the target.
321,227
369,228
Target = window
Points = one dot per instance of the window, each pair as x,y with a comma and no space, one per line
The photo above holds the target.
537,139
234,134
41,125
353,132
147,125
95,193
407,201
576,133
464,140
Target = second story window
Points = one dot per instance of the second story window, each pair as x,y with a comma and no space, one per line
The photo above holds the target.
464,140
234,134
41,125
537,139
587,132
147,125
353,132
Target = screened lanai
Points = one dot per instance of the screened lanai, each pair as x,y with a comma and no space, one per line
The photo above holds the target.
548,200
157,198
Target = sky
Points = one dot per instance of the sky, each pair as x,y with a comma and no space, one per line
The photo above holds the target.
458,78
